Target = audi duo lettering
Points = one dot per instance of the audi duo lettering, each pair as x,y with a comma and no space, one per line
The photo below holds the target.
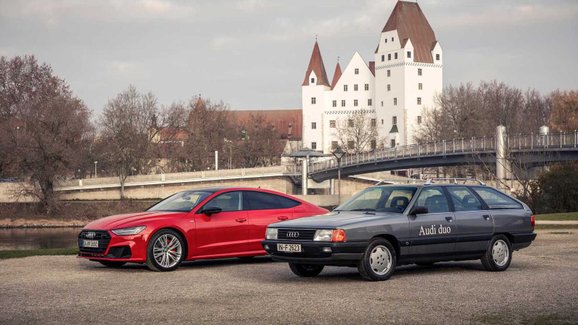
385,226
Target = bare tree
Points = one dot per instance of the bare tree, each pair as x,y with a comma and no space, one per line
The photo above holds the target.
357,133
43,126
129,124
260,144
564,110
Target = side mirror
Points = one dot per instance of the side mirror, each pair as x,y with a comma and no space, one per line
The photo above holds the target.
418,209
211,210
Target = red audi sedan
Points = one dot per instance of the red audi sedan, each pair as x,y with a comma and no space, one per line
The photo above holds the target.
189,225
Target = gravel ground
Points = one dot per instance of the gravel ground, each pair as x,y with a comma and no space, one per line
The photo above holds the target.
540,287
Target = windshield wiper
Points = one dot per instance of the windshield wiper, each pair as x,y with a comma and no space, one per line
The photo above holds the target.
364,209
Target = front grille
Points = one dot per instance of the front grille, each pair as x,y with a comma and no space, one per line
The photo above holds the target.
102,236
296,234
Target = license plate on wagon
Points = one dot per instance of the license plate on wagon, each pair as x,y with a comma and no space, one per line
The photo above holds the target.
90,243
289,248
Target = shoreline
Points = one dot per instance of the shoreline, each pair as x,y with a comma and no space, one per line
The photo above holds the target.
21,223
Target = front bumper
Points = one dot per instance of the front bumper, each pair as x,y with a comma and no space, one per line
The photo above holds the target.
326,253
114,248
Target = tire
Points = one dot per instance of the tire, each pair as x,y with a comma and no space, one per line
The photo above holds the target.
306,270
498,255
114,264
378,261
165,251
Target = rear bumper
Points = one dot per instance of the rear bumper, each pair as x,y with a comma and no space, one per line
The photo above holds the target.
522,240
325,253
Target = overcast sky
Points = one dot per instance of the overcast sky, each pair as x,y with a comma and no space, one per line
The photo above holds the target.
252,54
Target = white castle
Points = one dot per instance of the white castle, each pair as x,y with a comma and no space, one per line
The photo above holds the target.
390,93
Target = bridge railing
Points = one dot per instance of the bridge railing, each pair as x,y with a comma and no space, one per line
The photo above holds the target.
455,146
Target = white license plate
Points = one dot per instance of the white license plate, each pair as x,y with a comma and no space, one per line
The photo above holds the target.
90,243
289,248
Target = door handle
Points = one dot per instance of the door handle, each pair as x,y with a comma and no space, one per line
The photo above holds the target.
241,219
449,219
486,217
282,218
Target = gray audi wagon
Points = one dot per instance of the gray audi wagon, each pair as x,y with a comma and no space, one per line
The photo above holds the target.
389,225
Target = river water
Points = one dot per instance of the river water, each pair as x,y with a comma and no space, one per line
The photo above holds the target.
34,238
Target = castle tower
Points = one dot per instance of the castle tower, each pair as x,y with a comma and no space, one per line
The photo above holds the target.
313,91
408,73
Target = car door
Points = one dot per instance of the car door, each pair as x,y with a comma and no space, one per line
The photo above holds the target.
432,233
225,232
264,209
475,223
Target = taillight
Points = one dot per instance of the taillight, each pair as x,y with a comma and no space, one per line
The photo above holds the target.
533,221
338,235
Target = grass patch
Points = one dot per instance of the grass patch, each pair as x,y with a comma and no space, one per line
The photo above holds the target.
38,252
566,216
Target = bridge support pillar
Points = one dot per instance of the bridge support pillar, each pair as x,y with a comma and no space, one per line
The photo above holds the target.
304,173
503,166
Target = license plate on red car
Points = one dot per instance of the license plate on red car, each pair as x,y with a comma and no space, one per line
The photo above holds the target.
289,248
90,243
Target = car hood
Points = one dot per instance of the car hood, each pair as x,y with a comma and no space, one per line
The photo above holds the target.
333,220
129,220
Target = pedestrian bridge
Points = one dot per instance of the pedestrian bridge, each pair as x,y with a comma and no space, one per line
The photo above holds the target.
525,151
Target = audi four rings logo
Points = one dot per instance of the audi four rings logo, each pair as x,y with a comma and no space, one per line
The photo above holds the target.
90,234
292,234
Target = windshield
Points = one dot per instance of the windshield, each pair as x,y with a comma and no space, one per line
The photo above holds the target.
181,202
380,199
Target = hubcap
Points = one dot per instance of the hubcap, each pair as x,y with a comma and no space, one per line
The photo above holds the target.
500,252
380,260
167,250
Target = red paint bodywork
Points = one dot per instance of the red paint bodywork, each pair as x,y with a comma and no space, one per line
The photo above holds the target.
225,234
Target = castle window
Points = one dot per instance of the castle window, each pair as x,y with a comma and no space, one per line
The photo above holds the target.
395,55
382,105
355,102
388,87
395,101
350,123
389,57
356,71
382,58
313,145
350,144
437,57
389,73
394,120
373,144
369,102
419,72
313,100
332,124
366,87
392,144
419,100
392,39
386,39
334,103
343,103
344,87
419,120
373,122
355,87
420,86
333,145
381,121
409,54
313,125
312,80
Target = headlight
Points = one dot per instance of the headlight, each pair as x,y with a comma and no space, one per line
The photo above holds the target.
271,233
128,231
335,235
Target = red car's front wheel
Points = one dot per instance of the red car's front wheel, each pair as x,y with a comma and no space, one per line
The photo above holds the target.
165,251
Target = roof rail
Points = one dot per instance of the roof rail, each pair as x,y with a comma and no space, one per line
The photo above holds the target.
453,180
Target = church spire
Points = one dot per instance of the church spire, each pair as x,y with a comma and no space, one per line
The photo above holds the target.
336,75
316,65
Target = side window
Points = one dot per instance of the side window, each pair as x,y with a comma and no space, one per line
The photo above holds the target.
266,201
464,199
230,201
496,200
434,199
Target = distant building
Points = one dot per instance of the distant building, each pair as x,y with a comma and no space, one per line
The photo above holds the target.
391,91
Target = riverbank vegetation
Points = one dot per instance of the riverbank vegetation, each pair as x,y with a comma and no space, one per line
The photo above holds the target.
37,252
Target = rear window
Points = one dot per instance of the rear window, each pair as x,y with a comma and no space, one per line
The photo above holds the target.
266,201
495,199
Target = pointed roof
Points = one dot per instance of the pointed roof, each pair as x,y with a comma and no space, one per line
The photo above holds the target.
336,75
316,65
410,23
372,67
200,104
